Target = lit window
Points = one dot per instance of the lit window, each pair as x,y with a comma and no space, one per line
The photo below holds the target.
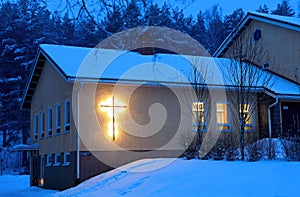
49,160
67,115
57,118
35,126
42,124
246,116
257,35
198,117
222,117
66,159
49,121
57,159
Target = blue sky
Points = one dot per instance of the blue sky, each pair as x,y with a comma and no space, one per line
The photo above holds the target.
193,6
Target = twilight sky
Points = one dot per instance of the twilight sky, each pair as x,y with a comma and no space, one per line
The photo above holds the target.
193,6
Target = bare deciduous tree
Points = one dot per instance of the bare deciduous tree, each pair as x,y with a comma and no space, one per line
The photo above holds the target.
245,75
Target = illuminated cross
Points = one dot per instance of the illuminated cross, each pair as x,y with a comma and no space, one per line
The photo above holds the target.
113,106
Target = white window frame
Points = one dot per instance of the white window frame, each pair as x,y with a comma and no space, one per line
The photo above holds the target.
50,121
66,163
229,119
194,124
35,126
57,119
56,162
42,124
67,116
49,160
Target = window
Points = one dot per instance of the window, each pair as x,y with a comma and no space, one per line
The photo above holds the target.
57,159
49,121
223,117
49,160
198,117
57,118
66,159
35,126
67,115
257,35
247,117
265,65
42,124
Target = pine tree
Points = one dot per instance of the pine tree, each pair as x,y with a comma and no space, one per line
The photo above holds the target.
199,31
215,28
232,20
263,9
132,16
283,9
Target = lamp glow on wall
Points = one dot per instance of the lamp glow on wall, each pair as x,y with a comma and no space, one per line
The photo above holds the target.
112,107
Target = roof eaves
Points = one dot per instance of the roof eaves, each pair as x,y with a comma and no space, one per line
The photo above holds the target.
232,35
247,19
274,21
25,93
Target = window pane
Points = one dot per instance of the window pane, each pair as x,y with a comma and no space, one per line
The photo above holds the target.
35,126
246,114
67,112
50,119
42,124
198,113
57,114
222,113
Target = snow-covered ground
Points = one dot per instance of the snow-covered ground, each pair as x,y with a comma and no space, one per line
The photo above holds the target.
179,178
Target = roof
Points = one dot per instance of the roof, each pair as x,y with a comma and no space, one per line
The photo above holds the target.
26,147
281,21
107,65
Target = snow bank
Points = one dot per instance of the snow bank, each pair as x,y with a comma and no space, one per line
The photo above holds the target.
196,178
179,178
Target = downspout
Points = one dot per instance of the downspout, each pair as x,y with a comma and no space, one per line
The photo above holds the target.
269,116
77,133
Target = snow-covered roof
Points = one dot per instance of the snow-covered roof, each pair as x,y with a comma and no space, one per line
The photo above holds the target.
284,19
107,65
281,21
26,147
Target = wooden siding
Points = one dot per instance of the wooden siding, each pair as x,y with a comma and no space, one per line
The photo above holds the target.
51,90
282,47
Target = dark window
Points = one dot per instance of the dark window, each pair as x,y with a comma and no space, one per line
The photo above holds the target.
50,121
265,65
67,115
257,35
57,118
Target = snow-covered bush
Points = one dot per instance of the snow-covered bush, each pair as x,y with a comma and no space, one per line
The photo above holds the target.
254,151
291,147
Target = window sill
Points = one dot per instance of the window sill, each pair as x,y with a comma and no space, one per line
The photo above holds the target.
56,164
224,131
48,165
201,131
66,164
66,132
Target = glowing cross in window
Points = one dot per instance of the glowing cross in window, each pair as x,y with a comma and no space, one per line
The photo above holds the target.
114,105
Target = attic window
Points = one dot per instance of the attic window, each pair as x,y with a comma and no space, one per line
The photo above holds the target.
257,35
265,65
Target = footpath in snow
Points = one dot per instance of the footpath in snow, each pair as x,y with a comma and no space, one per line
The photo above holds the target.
178,178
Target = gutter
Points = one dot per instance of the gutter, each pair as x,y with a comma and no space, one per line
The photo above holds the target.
77,132
269,116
